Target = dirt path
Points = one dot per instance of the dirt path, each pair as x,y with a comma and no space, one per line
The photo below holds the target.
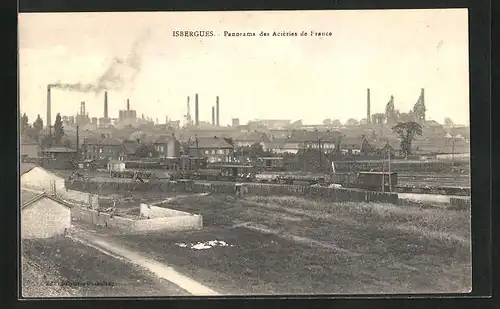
159,269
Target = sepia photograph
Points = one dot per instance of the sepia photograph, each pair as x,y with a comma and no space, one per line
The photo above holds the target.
228,153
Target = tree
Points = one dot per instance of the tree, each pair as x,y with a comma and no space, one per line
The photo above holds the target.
38,124
36,128
448,122
327,122
256,150
351,122
58,129
336,123
338,143
407,131
24,125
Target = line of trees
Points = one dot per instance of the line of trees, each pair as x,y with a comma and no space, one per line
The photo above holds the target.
34,131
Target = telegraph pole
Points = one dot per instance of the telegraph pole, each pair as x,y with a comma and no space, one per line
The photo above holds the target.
390,182
319,149
453,151
77,144
383,175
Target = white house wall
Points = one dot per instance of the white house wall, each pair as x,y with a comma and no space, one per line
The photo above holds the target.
44,218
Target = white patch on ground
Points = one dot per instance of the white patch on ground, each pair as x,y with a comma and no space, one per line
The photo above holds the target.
157,268
205,245
170,199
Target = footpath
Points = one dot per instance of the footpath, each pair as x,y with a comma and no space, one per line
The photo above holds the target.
161,270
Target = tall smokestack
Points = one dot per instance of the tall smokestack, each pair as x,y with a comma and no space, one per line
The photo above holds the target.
368,112
217,110
213,115
49,103
82,108
196,114
128,104
188,108
105,104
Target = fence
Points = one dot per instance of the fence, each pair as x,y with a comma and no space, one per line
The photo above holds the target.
331,194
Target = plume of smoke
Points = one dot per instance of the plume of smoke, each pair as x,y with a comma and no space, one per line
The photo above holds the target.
122,71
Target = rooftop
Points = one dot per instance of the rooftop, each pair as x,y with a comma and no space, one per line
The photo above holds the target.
25,167
28,197
210,142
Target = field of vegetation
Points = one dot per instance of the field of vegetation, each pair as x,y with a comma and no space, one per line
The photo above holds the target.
290,245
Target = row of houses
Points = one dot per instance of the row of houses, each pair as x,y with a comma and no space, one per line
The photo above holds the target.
222,148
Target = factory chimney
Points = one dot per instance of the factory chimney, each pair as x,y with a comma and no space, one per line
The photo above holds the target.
82,108
196,114
105,104
128,104
368,112
188,109
49,121
217,110
213,115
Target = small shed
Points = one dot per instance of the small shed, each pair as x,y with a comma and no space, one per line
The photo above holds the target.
43,215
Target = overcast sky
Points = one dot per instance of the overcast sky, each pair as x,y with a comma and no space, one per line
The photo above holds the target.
392,52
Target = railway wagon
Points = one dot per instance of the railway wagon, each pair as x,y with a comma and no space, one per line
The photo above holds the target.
377,181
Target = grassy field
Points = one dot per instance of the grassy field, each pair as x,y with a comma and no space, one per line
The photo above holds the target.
285,245
63,267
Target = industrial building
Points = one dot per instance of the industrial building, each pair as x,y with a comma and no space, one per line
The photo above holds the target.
128,116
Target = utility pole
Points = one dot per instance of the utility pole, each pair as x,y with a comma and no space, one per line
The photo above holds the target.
77,144
383,175
390,182
319,149
453,151
304,154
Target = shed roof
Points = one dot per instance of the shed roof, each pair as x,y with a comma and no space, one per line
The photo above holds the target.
108,141
210,142
25,167
28,197
252,137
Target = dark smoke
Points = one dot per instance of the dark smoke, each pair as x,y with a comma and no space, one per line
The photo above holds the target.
122,71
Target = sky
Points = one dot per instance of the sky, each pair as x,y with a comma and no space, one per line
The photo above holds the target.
392,52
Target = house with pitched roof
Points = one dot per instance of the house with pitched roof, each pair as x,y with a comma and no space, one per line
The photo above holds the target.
100,148
301,139
167,146
43,215
249,138
215,149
